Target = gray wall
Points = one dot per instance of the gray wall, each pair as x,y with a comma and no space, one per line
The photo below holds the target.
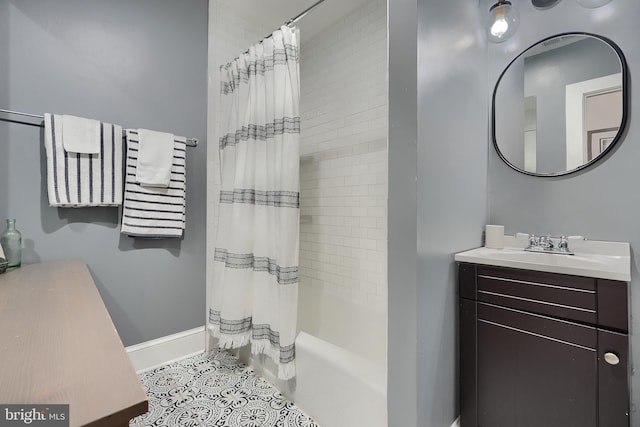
448,193
602,202
4,96
452,192
402,328
137,64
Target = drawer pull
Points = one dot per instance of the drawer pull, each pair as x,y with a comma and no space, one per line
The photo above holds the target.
611,358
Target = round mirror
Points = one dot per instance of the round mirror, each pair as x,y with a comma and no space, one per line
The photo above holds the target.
560,105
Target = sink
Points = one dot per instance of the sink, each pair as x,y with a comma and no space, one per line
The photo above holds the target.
599,259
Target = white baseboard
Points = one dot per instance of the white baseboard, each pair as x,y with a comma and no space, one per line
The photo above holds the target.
456,423
152,354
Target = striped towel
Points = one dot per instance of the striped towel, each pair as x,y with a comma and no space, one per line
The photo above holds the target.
154,212
83,180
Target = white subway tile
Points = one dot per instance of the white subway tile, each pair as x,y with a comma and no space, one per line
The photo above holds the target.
376,233
352,242
368,244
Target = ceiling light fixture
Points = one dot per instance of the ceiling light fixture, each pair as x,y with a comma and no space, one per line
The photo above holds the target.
544,4
503,21
592,4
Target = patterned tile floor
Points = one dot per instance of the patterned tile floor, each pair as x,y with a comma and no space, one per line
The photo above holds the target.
214,389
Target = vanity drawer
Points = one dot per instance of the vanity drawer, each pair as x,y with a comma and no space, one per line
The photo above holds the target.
567,297
539,326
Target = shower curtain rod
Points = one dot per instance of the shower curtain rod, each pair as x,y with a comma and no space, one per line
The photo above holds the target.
300,15
303,13
191,142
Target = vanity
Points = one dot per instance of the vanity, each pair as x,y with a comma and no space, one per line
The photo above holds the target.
544,337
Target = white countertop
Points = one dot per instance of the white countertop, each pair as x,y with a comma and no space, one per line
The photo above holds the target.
599,259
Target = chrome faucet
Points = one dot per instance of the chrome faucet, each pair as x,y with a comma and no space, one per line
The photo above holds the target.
546,244
563,244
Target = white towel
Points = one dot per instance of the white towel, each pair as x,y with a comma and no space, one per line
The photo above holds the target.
83,180
155,157
80,135
154,212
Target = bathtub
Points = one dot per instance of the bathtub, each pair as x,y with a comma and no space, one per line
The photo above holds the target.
341,372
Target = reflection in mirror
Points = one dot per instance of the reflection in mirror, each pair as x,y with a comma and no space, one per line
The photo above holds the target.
560,105
530,124
594,112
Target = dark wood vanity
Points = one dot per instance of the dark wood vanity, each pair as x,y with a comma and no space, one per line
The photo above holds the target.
541,349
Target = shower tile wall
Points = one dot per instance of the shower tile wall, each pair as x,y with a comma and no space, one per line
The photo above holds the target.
343,74
343,227
343,230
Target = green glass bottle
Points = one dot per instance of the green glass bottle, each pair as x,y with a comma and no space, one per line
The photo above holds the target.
11,241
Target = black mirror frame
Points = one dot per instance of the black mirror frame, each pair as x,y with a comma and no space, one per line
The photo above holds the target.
625,106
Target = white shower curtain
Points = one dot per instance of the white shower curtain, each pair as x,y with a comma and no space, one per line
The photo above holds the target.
255,285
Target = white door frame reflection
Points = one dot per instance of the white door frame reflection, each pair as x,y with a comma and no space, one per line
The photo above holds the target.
576,113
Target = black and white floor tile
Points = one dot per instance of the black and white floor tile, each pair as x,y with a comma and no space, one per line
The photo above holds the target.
214,389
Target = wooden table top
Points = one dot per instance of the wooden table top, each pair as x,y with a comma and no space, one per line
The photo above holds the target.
58,345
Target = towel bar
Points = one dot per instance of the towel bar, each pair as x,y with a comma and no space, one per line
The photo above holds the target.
191,142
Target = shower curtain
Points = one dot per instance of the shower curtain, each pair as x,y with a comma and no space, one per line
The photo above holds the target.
255,283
